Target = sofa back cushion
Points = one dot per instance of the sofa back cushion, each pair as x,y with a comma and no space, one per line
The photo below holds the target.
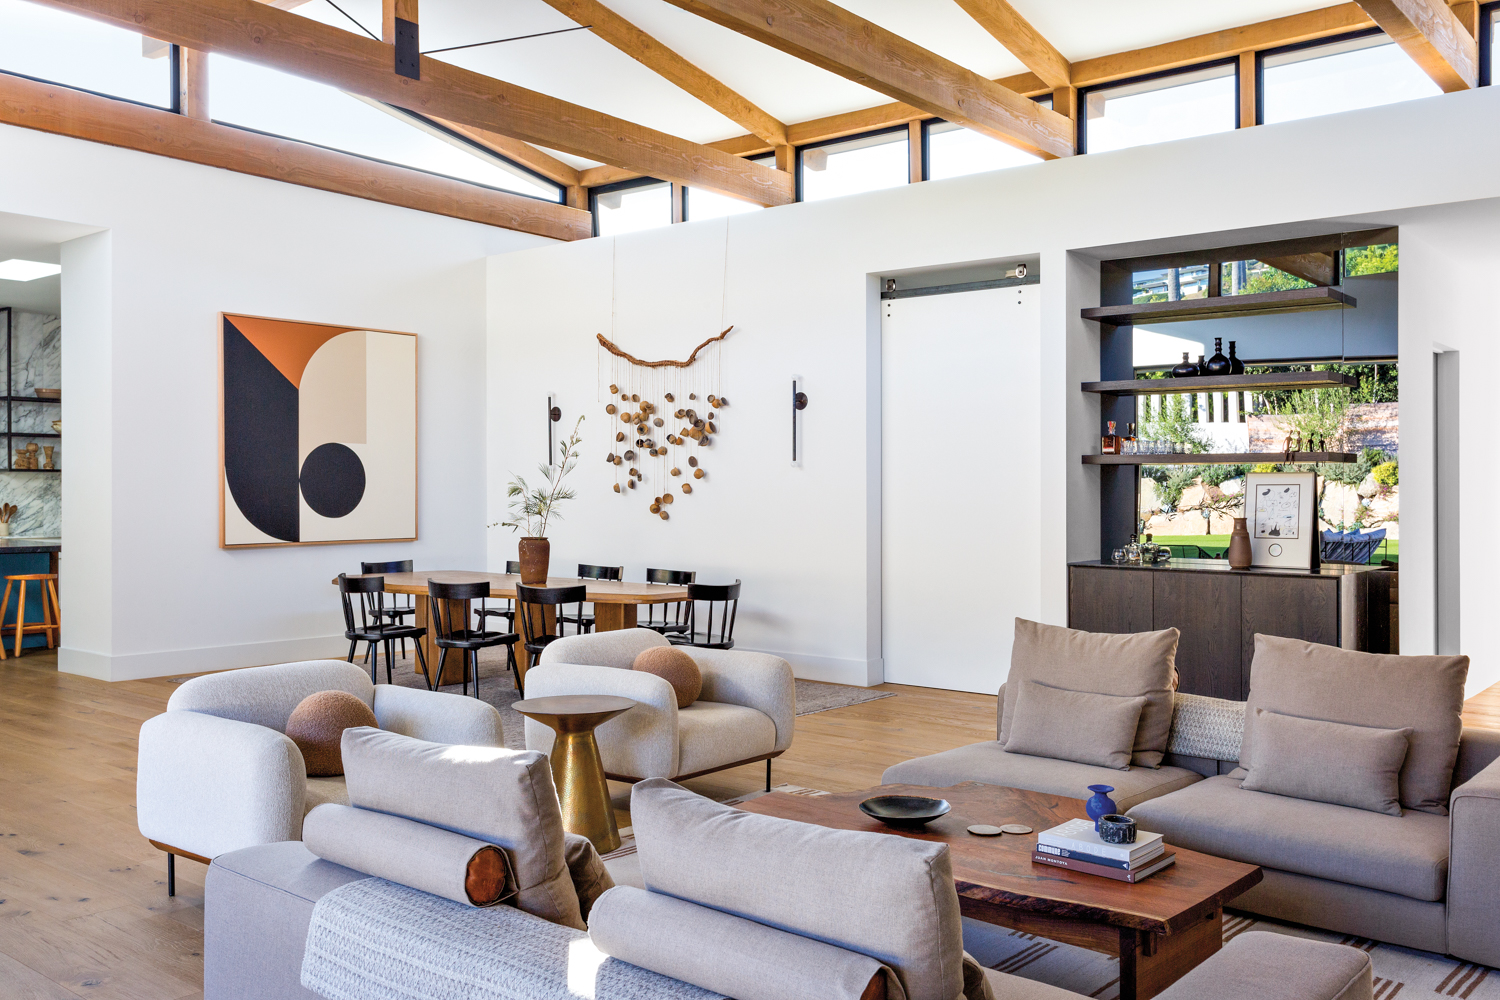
891,898
1141,664
1377,690
1074,725
1354,766
617,648
502,797
266,696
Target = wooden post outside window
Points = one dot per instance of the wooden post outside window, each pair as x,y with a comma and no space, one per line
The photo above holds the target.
678,203
1249,97
192,83
915,174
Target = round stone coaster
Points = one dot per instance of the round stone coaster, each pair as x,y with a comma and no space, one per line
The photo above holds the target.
984,830
1015,828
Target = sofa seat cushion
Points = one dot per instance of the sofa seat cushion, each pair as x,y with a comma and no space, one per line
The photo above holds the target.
992,765
1406,855
321,790
1303,970
713,733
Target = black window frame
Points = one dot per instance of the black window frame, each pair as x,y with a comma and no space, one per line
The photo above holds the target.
173,106
1081,141
635,182
889,130
1260,60
1489,16
927,124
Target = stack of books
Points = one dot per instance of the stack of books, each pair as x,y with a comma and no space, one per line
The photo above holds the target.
1076,846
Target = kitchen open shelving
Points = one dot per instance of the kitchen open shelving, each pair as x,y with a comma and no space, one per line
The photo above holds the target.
1222,306
1227,458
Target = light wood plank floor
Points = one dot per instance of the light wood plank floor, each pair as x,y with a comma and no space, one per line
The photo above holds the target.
83,902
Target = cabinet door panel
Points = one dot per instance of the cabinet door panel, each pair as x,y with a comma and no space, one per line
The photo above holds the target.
1286,606
1205,608
1101,599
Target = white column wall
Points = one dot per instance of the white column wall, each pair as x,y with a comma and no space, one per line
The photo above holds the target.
146,589
800,286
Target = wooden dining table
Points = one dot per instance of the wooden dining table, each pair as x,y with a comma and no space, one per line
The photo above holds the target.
615,604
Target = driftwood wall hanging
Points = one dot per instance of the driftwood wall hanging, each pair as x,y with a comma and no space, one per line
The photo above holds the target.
666,416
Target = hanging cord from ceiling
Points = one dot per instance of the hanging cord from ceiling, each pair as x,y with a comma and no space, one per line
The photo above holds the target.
516,38
361,27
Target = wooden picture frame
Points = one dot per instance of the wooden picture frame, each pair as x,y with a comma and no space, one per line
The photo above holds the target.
318,433
1282,518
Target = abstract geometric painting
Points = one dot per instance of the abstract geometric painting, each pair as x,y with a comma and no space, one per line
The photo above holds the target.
318,434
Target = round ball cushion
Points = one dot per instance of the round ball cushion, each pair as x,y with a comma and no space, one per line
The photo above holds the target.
675,667
317,727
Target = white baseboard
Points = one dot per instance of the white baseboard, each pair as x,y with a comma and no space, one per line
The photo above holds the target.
831,669
172,662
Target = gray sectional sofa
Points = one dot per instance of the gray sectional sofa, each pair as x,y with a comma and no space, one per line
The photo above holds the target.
1421,879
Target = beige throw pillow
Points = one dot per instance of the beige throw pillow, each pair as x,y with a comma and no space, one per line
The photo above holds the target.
1140,664
1354,766
1074,725
1375,690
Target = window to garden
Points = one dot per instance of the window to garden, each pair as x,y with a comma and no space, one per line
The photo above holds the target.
632,206
59,47
266,100
1191,507
1159,108
1359,71
852,166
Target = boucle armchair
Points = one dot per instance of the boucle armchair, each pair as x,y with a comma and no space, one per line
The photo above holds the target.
745,713
217,772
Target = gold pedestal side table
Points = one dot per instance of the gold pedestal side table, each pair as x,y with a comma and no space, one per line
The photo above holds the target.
577,768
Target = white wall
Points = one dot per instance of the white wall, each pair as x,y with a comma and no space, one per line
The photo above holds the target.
146,590
799,284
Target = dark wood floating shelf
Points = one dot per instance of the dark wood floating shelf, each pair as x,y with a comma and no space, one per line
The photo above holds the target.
1223,383
1222,306
1234,458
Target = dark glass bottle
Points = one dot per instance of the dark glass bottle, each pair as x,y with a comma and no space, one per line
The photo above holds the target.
1185,370
1218,364
1236,366
1202,366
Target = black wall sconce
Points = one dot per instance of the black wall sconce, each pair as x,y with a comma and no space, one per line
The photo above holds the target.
799,402
554,414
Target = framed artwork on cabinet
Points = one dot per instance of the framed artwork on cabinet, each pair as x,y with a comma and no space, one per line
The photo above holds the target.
317,433
1281,514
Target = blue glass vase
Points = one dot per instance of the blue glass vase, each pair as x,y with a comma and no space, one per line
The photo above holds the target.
1101,804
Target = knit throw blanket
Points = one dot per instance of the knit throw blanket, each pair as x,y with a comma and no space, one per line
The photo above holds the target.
377,940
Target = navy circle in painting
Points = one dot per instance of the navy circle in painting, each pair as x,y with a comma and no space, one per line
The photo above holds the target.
333,480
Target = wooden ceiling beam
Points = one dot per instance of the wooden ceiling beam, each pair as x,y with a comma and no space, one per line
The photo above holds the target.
672,67
79,115
1321,268
251,30
832,38
1021,40
1433,36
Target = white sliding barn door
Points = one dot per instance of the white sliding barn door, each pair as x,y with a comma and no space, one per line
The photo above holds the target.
961,462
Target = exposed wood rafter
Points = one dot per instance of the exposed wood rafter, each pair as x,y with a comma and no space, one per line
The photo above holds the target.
1021,40
251,30
1433,36
831,38
1321,268
51,108
527,155
655,56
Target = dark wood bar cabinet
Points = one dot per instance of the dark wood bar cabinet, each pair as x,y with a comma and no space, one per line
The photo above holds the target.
1219,610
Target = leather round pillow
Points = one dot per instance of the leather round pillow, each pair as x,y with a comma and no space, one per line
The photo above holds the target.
675,667
317,727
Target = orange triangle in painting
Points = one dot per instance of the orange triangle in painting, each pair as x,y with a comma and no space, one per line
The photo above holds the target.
288,346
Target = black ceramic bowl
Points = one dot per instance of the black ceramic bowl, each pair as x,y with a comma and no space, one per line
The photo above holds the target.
904,812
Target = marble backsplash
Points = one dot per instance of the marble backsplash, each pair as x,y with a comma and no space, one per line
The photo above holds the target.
37,342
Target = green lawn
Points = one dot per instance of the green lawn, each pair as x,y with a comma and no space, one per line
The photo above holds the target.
1215,546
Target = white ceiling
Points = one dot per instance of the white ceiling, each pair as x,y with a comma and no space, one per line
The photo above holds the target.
583,69
35,239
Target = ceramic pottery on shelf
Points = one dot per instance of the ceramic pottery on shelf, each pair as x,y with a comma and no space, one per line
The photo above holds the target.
1239,545
1218,364
1101,804
1116,829
534,553
1236,366
1185,370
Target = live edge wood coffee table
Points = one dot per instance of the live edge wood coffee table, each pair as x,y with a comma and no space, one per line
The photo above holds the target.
1159,928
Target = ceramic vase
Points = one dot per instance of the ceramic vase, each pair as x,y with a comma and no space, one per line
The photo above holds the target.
4,529
1185,370
534,554
1236,366
1218,364
1101,804
1239,545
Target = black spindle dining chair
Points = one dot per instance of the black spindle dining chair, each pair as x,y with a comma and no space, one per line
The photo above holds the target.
674,616
399,609
367,594
451,631
727,595
508,611
585,622
532,603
